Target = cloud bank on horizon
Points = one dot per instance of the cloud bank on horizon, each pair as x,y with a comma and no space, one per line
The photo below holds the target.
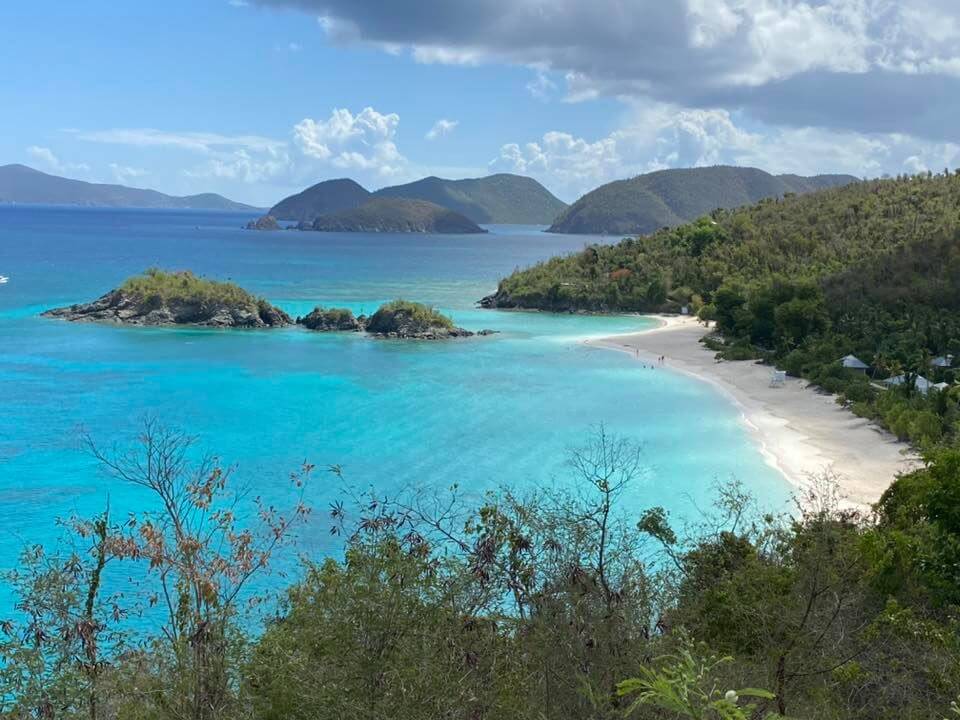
617,87
828,63
860,86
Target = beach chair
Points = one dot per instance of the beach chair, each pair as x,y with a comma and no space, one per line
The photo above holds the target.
778,378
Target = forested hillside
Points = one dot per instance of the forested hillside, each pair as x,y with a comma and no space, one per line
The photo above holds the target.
870,269
822,237
667,198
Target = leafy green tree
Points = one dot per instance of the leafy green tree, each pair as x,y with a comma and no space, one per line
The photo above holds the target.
685,685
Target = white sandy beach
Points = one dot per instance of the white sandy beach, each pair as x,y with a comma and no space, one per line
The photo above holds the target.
801,431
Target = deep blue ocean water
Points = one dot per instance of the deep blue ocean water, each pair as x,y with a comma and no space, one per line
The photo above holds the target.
501,410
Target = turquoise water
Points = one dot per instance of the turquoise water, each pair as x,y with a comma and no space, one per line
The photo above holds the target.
483,412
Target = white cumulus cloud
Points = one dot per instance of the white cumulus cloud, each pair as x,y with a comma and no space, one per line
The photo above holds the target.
365,141
541,87
654,137
49,160
441,128
839,64
123,174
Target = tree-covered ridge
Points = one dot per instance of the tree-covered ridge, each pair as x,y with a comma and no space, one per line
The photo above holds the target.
818,237
667,198
871,269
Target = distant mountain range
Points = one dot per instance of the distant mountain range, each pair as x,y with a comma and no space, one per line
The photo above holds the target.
501,198
22,184
668,198
640,205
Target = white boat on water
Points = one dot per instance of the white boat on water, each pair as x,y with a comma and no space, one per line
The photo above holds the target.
4,279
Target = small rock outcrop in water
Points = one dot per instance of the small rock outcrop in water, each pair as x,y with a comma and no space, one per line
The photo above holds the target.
502,299
331,320
399,319
403,319
267,222
177,298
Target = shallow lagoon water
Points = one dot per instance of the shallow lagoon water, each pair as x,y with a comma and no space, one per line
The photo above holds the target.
499,410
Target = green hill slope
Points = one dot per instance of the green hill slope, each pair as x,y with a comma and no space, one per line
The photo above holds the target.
324,197
501,198
852,232
870,269
397,215
667,198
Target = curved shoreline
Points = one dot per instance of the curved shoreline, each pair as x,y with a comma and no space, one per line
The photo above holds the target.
801,433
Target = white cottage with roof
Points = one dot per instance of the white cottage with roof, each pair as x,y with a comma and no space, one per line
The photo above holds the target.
922,385
852,362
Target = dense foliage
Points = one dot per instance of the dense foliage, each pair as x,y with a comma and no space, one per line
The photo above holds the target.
667,198
551,604
871,269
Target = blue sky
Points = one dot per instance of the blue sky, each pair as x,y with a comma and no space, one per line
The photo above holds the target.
258,98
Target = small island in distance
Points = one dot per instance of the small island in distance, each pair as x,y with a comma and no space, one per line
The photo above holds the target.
382,215
160,298
396,215
430,205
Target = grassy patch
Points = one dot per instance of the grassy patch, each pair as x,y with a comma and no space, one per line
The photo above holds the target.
158,287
